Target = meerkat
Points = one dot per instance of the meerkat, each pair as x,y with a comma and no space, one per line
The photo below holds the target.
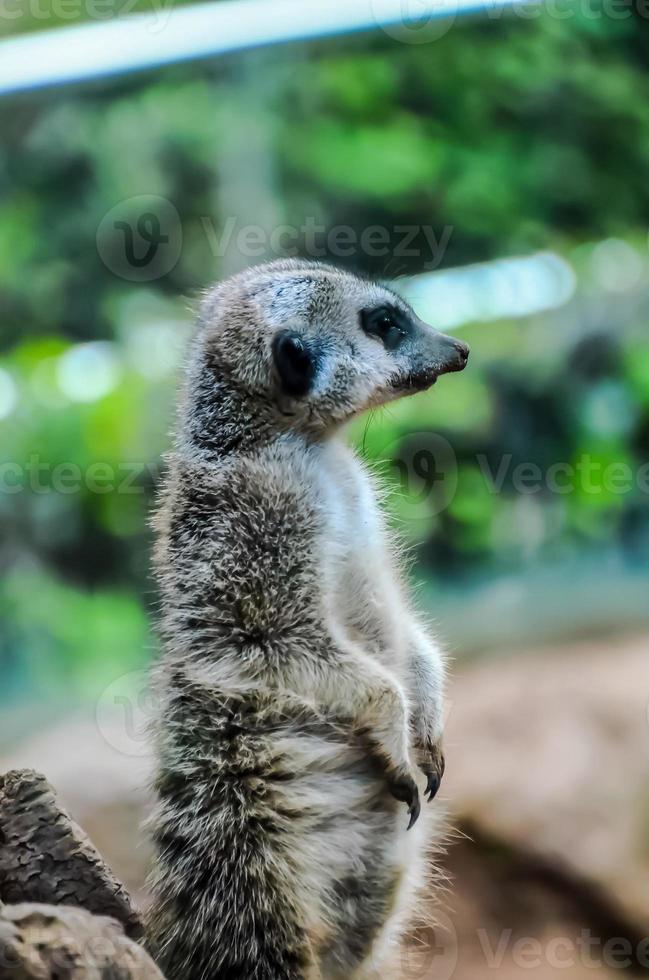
300,698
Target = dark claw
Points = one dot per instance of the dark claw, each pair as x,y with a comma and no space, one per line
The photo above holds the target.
405,790
433,771
414,810
432,786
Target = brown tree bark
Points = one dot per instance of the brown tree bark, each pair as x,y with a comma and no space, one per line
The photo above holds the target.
46,857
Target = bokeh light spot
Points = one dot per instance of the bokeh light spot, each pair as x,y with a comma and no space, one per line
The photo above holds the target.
88,372
8,394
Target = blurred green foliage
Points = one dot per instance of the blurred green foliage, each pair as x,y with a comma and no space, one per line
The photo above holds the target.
515,133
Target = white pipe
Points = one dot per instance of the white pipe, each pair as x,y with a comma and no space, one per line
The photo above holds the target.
166,35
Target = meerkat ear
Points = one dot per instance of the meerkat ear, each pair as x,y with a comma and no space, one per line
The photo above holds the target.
295,363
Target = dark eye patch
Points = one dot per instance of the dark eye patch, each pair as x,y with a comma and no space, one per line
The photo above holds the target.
387,324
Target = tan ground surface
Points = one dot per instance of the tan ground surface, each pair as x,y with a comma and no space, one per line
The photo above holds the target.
547,778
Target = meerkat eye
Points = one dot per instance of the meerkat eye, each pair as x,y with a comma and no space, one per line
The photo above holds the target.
386,324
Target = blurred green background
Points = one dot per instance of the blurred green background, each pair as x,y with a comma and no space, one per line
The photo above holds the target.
519,137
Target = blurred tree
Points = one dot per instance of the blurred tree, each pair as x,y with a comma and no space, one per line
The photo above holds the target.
503,136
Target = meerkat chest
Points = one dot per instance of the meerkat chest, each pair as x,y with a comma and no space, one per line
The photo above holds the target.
353,523
364,591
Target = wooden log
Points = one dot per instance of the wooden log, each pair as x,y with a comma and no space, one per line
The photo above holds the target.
46,857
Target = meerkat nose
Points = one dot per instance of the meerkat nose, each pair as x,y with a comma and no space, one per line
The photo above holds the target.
463,350
453,354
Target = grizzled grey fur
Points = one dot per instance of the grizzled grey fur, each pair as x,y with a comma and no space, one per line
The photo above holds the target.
300,697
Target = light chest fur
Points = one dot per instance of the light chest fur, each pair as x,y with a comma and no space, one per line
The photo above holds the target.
364,595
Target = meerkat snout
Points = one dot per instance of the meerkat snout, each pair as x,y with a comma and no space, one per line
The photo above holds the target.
441,355
458,357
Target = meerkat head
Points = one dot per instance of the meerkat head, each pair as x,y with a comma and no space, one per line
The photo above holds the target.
315,345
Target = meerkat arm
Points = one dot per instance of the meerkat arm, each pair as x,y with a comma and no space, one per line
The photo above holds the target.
388,623
350,684
426,690
381,616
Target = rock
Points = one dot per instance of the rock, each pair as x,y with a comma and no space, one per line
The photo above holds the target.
550,751
47,942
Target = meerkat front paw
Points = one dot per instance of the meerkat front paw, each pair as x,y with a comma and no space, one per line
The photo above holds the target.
390,732
431,761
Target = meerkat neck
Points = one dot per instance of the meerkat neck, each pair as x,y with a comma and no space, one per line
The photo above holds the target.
220,418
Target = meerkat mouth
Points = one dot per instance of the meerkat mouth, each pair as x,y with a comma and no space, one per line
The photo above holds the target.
418,380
